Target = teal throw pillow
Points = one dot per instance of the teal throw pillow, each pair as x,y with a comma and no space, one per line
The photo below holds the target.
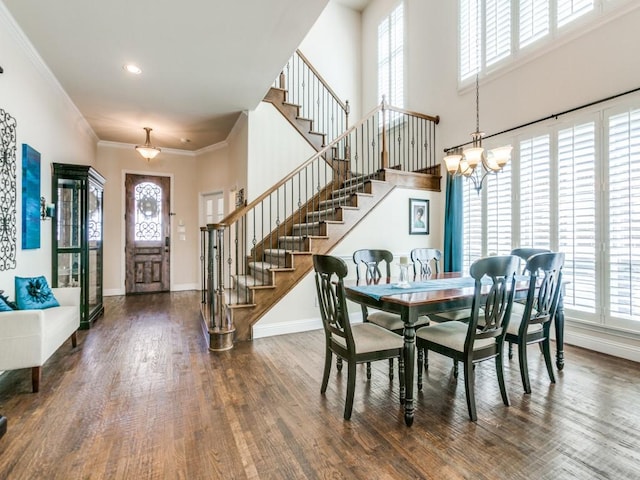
33,293
4,307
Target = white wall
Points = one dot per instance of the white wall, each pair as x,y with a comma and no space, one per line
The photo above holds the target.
48,121
333,47
275,149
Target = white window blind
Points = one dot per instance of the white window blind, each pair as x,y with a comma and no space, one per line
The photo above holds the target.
576,214
534,20
535,192
491,31
624,215
498,188
391,57
472,226
569,10
470,38
497,30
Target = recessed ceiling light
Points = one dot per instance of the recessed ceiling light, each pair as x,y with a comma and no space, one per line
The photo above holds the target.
131,68
185,140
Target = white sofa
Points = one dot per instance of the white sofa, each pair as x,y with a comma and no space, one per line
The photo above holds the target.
29,337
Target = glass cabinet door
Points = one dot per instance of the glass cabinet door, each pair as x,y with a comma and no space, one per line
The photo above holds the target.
77,235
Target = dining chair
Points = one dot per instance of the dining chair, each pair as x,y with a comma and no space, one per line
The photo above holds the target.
375,262
525,252
543,295
422,258
465,342
518,305
360,343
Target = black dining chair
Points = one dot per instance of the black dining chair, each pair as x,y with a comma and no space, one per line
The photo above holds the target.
467,342
374,262
518,305
543,295
360,343
423,259
525,252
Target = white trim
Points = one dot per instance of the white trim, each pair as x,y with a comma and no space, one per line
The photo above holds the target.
127,146
603,342
183,287
296,326
113,292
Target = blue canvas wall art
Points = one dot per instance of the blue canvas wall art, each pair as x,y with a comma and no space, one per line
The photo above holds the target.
30,198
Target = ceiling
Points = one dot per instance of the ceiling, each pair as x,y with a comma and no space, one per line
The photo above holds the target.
203,61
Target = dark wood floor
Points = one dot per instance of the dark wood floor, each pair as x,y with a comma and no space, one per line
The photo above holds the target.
142,398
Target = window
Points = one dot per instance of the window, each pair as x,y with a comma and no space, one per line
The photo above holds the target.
535,192
624,214
577,214
489,28
391,57
577,191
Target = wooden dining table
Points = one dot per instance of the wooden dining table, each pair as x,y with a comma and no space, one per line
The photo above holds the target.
439,293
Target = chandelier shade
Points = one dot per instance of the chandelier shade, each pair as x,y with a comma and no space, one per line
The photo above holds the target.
147,150
475,162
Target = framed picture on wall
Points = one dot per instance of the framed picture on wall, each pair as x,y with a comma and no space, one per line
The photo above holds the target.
418,216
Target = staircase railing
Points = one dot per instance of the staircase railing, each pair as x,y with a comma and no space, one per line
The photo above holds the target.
318,102
277,219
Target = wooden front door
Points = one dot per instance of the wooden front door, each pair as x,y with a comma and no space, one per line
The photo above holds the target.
148,244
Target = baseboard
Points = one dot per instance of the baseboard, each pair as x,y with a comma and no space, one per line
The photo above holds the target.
114,292
602,342
296,326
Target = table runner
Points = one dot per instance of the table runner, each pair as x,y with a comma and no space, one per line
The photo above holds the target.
388,289
383,290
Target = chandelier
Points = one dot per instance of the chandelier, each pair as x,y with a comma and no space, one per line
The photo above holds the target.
476,163
147,150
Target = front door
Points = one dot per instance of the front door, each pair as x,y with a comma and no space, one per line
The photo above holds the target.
148,244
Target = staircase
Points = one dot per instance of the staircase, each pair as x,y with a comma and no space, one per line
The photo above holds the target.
273,270
258,253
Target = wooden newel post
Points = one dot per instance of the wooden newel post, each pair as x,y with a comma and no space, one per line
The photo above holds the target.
385,152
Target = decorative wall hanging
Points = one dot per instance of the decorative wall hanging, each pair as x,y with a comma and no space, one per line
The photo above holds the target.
30,198
418,216
8,229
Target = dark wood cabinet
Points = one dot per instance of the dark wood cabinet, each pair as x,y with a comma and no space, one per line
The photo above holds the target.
77,235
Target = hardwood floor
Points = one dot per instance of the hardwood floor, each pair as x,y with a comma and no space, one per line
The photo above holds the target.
142,398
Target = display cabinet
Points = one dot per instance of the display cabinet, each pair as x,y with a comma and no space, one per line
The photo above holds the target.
77,234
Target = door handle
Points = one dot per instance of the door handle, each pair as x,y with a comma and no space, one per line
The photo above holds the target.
167,243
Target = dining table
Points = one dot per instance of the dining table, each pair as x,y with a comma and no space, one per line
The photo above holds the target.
437,293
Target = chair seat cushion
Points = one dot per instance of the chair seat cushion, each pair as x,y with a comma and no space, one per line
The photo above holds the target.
451,335
517,312
371,338
392,321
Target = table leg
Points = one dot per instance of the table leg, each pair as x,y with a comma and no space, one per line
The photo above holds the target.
409,366
559,324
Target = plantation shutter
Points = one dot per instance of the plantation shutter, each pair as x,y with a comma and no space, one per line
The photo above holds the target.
534,20
576,214
472,226
624,215
499,212
569,10
497,30
470,38
391,57
535,193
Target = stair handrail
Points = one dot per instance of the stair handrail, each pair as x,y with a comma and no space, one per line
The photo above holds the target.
344,105
305,87
242,210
